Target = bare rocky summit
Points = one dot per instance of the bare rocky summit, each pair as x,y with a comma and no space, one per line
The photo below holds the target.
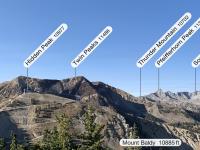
158,115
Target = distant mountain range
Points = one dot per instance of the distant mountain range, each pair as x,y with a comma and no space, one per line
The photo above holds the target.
157,115
179,96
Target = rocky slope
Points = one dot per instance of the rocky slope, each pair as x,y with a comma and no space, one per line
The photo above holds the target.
159,115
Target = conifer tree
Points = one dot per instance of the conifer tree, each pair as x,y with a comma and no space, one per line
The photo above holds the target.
13,145
91,138
133,134
58,138
63,132
50,140
2,144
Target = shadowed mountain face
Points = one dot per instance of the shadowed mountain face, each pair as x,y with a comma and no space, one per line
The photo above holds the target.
158,115
66,88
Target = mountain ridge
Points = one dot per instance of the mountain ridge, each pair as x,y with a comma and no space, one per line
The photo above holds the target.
26,113
178,96
22,82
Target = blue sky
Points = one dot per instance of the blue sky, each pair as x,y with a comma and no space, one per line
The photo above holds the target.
137,25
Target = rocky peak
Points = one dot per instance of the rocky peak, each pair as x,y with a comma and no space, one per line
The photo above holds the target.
161,95
69,88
